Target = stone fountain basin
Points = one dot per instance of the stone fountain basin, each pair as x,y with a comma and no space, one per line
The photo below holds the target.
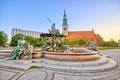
71,57
5,53
59,56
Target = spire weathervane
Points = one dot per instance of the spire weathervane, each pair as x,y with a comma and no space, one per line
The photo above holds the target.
64,13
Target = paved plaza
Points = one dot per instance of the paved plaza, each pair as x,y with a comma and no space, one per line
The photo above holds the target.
114,54
46,74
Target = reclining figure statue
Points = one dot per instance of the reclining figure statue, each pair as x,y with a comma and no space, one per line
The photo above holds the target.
92,46
22,49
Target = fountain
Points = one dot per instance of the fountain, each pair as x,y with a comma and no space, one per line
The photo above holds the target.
58,62
56,49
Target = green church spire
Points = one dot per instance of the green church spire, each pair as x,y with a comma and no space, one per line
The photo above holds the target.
64,19
64,14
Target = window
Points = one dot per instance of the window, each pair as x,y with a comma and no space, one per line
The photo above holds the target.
65,28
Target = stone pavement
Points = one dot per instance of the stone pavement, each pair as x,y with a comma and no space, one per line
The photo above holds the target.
6,74
114,54
45,74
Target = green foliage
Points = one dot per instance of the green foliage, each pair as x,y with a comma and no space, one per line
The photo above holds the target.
33,67
76,42
36,42
31,40
15,39
107,48
110,43
67,41
81,42
40,41
71,43
3,38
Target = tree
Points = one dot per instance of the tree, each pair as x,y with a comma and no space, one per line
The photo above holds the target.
72,43
69,42
40,41
31,40
111,43
82,42
114,43
15,39
66,41
3,38
76,42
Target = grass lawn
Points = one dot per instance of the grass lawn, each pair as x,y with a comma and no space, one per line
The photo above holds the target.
107,48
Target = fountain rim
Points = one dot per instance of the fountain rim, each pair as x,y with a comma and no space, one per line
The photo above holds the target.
71,53
60,53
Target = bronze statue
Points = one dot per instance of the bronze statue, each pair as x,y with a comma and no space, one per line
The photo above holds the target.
22,49
54,42
92,46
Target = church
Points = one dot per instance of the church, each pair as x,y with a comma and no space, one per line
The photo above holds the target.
87,35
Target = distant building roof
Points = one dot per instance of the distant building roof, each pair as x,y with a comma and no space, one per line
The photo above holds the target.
98,36
81,34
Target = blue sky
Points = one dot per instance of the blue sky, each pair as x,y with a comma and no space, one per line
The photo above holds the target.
101,15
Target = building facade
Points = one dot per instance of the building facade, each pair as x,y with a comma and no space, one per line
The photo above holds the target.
25,32
87,35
